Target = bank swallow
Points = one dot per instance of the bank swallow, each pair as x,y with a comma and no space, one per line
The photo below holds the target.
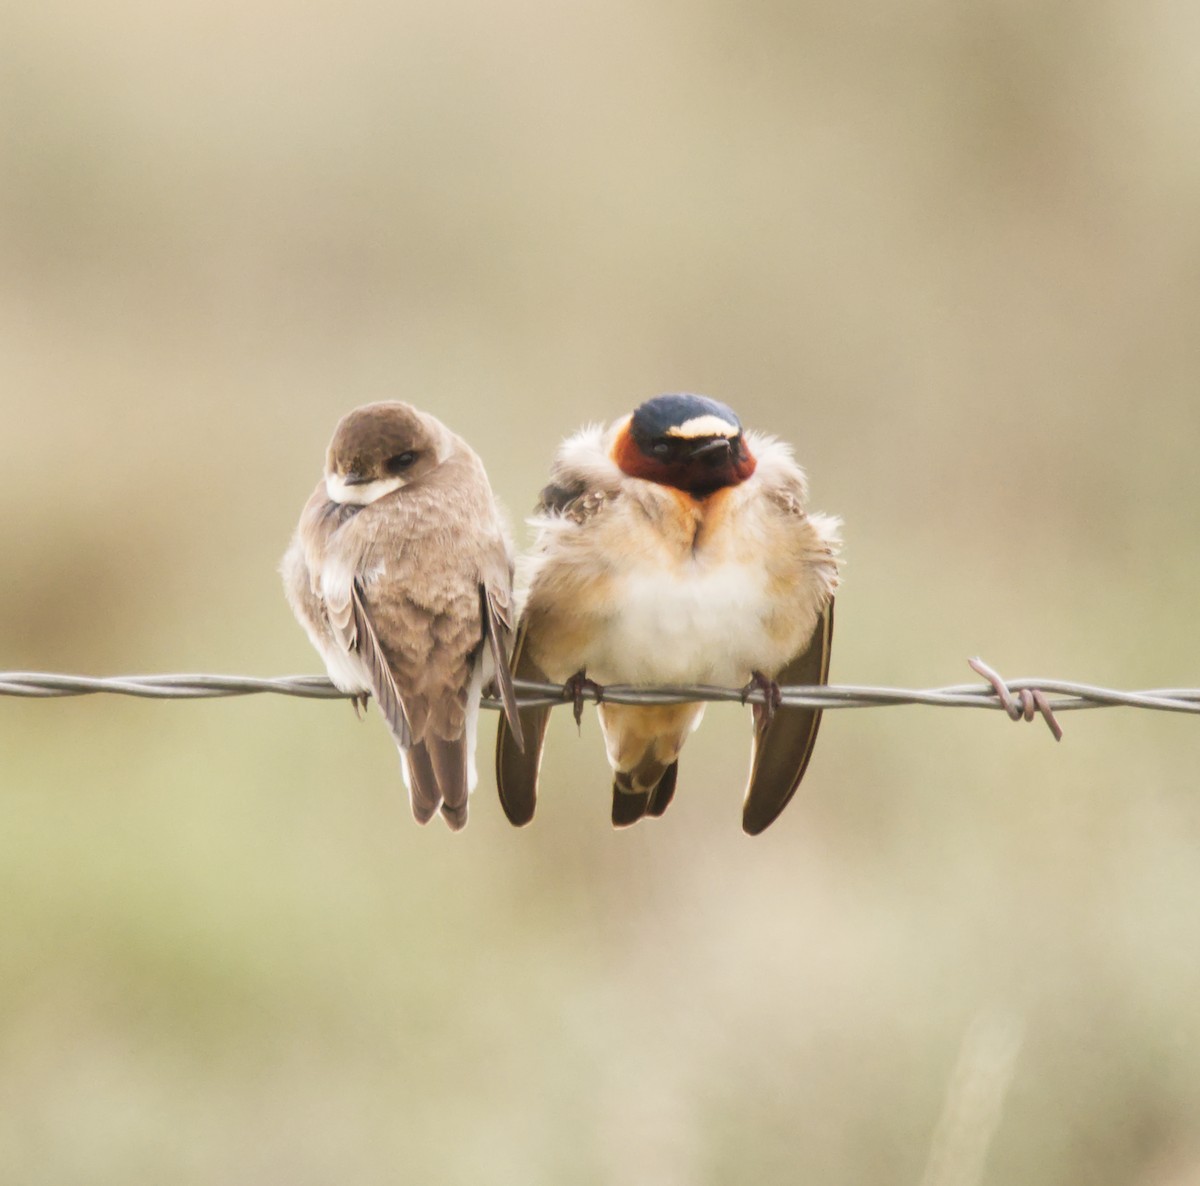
400,572
674,548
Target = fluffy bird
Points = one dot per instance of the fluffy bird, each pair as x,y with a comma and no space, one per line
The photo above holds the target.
674,548
401,573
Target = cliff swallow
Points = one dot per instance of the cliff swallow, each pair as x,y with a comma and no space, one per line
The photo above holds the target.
401,573
674,548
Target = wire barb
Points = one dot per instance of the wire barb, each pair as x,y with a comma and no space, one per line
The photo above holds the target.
1032,699
1017,698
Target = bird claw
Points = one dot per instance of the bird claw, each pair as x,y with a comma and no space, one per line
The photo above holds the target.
1025,704
358,701
764,712
574,690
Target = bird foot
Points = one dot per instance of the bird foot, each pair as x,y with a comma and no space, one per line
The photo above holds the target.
358,702
764,712
1031,700
574,690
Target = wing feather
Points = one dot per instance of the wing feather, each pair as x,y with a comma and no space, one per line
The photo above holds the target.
517,766
497,626
361,637
782,749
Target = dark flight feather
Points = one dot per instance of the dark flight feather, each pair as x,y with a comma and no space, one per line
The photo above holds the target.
516,766
556,497
783,747
383,686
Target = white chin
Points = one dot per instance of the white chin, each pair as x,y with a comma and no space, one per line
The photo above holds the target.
359,494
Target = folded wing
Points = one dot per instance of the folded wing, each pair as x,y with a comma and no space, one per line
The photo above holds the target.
783,746
519,751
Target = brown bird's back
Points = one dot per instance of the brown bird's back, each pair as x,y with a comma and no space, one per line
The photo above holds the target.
403,594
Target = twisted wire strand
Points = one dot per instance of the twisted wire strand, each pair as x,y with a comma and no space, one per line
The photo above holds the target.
1061,695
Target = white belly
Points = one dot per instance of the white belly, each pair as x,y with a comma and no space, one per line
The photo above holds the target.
693,623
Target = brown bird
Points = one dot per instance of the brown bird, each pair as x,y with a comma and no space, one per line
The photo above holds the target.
401,573
674,548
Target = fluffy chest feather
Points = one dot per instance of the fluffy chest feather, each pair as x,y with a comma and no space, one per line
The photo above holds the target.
691,602
693,624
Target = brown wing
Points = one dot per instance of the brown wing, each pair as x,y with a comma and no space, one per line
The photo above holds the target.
783,748
498,627
517,765
361,637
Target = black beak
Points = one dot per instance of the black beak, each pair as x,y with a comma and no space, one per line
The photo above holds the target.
354,478
719,445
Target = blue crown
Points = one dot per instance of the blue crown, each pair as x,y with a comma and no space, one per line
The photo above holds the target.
664,412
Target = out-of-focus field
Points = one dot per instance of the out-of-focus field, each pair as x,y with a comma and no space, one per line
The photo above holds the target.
949,250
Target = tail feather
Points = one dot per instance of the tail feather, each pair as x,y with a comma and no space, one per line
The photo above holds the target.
450,764
645,791
662,794
422,781
628,804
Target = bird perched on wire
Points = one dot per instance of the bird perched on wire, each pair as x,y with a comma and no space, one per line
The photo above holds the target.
674,548
401,573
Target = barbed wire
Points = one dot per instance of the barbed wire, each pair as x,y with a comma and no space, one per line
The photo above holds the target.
1018,698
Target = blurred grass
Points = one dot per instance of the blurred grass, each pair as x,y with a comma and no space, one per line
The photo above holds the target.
950,252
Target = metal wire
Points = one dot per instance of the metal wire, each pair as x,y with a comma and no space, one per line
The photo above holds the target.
1061,695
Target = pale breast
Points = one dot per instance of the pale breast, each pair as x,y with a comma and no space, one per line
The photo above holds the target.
686,623
692,597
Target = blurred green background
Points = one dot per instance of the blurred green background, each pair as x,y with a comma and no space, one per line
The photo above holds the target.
951,251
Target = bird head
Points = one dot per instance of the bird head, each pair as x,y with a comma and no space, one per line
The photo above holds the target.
378,448
690,442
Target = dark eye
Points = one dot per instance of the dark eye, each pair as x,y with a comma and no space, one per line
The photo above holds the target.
661,448
401,461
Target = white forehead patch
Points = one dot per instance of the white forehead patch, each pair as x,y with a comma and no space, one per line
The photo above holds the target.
703,426
359,494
